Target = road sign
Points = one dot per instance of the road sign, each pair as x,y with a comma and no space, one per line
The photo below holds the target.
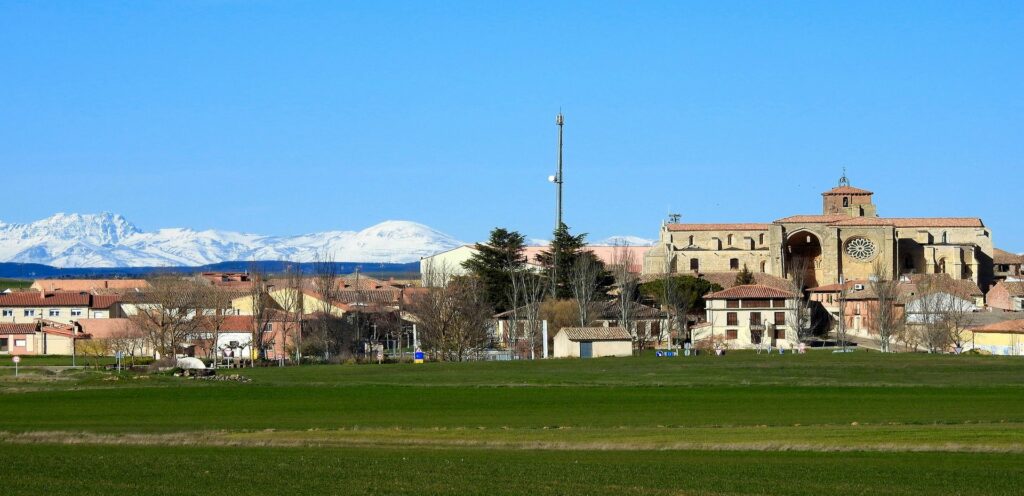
16,359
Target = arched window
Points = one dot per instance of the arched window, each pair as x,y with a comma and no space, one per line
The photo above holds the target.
763,265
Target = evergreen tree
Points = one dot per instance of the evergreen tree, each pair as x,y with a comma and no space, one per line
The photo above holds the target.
745,276
494,263
559,259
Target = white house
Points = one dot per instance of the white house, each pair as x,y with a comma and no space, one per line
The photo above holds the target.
593,342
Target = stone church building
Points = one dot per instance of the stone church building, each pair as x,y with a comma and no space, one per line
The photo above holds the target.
848,239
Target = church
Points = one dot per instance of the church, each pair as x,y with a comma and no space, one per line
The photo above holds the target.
847,240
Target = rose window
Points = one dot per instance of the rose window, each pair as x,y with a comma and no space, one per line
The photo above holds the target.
860,249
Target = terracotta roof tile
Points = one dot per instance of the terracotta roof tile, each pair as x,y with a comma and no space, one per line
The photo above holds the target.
100,302
728,279
596,333
749,291
846,190
1007,258
811,219
937,222
88,284
37,299
1008,326
8,328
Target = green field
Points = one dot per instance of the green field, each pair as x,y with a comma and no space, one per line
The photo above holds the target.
14,283
739,424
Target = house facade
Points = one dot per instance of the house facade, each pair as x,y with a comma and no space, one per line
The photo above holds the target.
1006,296
749,316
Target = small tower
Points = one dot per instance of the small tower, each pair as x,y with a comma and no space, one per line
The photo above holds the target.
847,200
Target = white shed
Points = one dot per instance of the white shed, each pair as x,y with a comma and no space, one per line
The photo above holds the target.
593,342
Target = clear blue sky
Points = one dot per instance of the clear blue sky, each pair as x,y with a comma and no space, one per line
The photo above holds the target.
283,117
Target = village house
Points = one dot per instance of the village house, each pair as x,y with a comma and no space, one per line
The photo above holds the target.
96,286
749,316
1006,296
27,306
1008,266
37,338
1000,338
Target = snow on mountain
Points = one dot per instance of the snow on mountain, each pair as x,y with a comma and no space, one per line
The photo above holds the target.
109,240
625,241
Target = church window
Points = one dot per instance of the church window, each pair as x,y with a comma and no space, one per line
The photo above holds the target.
763,265
945,238
760,238
691,241
694,264
730,240
734,264
846,201
861,249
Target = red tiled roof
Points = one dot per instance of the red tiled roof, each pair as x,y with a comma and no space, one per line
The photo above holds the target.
845,220
100,302
1008,326
718,227
937,222
7,328
1015,288
728,279
846,190
88,284
1005,257
749,291
812,219
37,299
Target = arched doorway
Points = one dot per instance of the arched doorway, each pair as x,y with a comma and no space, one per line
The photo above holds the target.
803,255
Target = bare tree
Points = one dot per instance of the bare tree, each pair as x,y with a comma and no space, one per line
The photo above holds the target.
262,314
291,299
800,318
887,318
928,318
586,280
325,327
128,340
531,289
216,305
956,309
454,318
166,313
628,285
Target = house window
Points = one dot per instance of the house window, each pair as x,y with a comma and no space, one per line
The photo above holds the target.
54,312
732,303
730,334
730,319
97,315
3,344
19,342
780,334
734,264
8,312
780,318
30,313
694,264
755,336
755,318
779,303
656,329
76,312
856,309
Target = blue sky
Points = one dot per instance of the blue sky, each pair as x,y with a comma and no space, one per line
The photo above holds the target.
284,117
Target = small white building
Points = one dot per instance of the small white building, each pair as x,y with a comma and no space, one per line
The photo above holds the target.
593,342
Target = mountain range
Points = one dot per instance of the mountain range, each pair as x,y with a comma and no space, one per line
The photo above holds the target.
110,240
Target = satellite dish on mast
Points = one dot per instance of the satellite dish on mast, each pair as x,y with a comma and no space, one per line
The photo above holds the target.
551,179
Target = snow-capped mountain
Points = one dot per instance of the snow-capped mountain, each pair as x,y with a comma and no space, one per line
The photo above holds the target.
110,240
625,241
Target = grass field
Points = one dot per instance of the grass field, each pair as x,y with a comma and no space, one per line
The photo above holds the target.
739,424
14,283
